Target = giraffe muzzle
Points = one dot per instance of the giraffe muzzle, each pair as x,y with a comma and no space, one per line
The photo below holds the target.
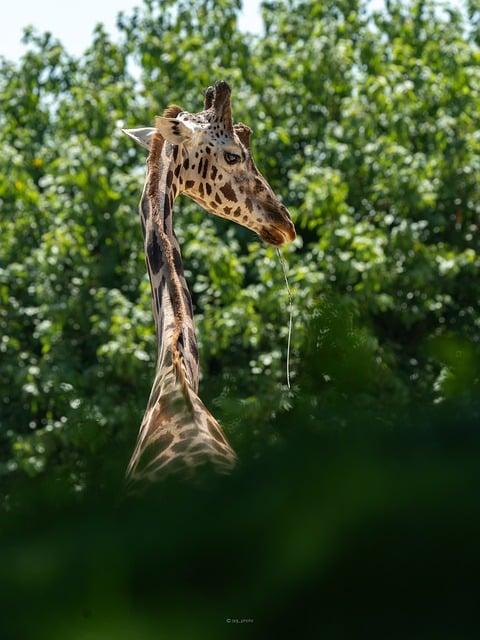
280,228
277,235
289,231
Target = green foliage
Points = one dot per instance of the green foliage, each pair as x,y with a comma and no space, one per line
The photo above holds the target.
365,124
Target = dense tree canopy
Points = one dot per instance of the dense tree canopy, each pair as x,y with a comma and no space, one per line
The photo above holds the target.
366,124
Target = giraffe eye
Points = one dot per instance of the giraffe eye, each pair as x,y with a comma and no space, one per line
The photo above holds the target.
231,158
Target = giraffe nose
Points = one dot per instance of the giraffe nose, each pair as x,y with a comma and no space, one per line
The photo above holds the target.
278,224
279,233
290,231
288,227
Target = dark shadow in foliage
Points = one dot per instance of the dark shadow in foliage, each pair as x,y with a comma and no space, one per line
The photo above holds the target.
358,532
354,522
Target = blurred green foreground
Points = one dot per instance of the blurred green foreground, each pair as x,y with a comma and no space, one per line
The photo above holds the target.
336,533
344,520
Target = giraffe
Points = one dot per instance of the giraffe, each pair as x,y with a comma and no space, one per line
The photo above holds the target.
208,158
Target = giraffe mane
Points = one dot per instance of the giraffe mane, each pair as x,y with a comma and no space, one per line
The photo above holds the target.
172,111
153,162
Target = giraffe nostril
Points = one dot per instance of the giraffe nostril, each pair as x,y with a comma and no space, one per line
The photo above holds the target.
289,226
292,234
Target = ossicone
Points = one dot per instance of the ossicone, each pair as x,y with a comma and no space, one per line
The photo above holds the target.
217,100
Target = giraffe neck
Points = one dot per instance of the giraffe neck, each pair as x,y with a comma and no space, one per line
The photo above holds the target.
171,300
177,429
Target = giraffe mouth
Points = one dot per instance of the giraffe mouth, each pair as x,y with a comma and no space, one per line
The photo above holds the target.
272,236
276,236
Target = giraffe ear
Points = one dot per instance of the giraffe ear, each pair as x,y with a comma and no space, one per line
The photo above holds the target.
143,135
173,130
244,133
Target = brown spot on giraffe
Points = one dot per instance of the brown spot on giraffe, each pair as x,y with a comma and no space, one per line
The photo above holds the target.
205,169
228,192
215,431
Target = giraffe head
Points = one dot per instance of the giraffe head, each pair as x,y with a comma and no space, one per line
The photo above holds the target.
216,168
